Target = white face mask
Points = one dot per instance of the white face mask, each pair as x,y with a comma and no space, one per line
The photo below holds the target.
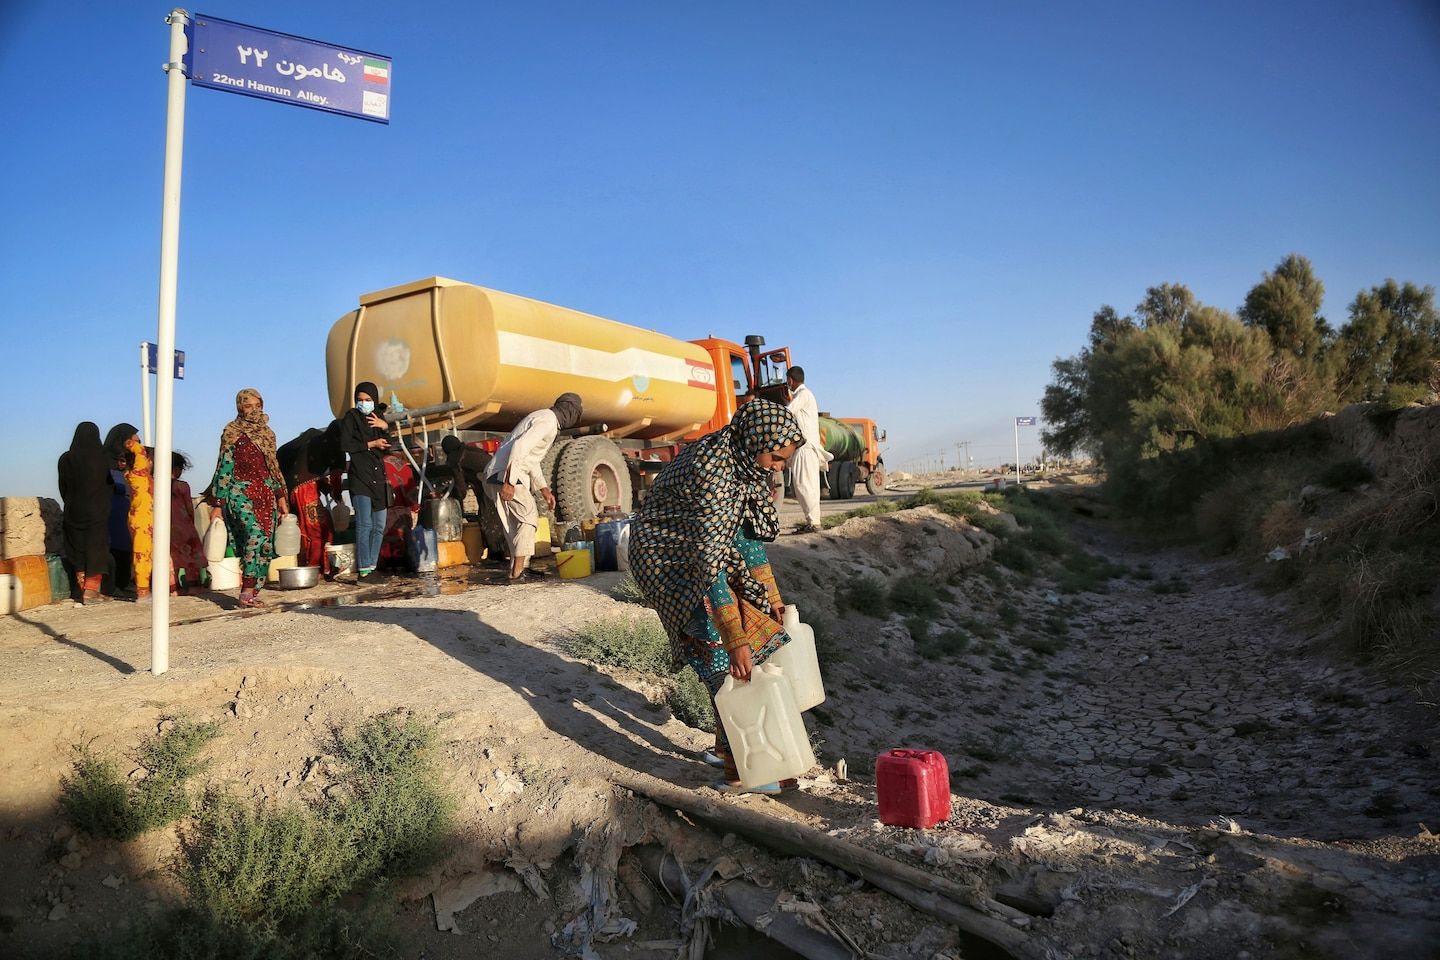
366,407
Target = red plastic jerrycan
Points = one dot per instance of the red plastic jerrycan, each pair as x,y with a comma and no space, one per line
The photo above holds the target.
913,787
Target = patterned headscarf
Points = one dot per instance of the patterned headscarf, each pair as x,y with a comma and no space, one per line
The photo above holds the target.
256,428
683,536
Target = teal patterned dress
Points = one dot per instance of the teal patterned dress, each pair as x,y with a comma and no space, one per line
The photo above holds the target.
245,490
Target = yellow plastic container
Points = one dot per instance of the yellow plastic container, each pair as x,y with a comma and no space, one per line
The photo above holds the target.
33,574
542,537
278,564
451,554
573,564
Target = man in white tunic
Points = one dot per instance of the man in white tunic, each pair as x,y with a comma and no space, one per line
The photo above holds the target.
513,477
811,458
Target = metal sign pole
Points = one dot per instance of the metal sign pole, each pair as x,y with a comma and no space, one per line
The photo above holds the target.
1017,450
145,393
165,370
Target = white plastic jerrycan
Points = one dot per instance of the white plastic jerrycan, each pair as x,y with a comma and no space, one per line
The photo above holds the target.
767,736
800,662
287,536
217,538
202,518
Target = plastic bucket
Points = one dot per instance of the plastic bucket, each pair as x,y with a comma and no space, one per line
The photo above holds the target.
607,544
573,564
341,557
224,573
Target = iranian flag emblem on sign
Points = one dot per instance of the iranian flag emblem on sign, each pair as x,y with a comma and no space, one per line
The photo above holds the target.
377,71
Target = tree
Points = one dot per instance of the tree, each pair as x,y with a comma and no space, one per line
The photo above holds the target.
1392,337
1166,303
1286,304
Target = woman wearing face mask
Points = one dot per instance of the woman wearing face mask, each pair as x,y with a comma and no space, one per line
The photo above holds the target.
248,491
363,436
696,552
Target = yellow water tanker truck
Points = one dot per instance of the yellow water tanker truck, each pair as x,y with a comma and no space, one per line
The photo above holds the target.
473,361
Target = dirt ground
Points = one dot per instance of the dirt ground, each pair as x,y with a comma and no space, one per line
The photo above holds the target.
1176,772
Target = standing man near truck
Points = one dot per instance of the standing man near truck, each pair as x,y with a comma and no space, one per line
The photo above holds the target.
811,458
513,476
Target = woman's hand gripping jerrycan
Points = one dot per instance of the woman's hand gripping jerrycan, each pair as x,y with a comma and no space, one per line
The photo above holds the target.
767,736
913,788
800,662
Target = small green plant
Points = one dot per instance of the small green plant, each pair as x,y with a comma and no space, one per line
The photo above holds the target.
865,595
1011,554
947,643
95,799
911,595
265,868
877,509
634,643
690,702
629,591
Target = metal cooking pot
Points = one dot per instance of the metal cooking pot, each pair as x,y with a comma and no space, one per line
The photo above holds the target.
298,578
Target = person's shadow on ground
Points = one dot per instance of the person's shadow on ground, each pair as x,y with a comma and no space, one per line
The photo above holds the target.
569,697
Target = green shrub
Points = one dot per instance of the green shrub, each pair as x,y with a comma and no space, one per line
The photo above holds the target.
991,523
876,509
919,629
690,701
948,643
629,591
267,869
95,798
634,643
865,595
911,595
1011,554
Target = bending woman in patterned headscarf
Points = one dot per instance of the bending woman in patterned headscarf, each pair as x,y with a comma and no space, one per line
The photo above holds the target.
696,552
248,490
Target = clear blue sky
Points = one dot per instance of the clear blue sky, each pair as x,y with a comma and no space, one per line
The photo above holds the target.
926,201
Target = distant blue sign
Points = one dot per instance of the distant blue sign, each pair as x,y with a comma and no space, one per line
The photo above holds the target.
230,56
1024,421
153,353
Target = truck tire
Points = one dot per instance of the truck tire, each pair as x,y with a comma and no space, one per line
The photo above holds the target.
552,457
875,483
849,475
842,476
491,531
591,474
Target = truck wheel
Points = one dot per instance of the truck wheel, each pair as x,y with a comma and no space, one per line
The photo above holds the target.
875,483
832,480
552,456
492,531
591,475
848,474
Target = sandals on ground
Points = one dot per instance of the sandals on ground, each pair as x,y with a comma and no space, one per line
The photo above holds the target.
253,600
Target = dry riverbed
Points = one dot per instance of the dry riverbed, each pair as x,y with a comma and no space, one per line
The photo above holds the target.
1174,767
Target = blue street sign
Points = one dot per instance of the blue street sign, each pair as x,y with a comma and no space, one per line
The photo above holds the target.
1024,421
230,56
153,353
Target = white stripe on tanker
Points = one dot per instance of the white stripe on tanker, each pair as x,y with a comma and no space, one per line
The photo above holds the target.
553,356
